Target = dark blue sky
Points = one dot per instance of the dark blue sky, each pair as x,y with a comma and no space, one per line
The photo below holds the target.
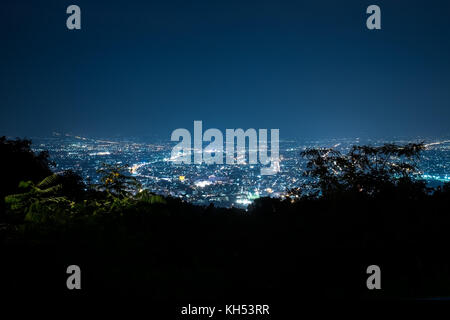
309,68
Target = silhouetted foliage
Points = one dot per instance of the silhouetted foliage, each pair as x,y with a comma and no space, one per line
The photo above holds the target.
19,163
73,185
364,171
116,180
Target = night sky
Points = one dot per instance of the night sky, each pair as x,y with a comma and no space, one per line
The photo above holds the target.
310,68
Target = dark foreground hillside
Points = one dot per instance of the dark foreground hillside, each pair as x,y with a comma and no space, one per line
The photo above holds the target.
305,247
177,251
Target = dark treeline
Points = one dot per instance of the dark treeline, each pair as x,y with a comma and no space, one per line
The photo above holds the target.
365,207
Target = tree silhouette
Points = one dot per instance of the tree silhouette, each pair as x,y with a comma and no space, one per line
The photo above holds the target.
116,181
364,170
19,163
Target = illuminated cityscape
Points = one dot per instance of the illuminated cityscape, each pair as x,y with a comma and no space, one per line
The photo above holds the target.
223,185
